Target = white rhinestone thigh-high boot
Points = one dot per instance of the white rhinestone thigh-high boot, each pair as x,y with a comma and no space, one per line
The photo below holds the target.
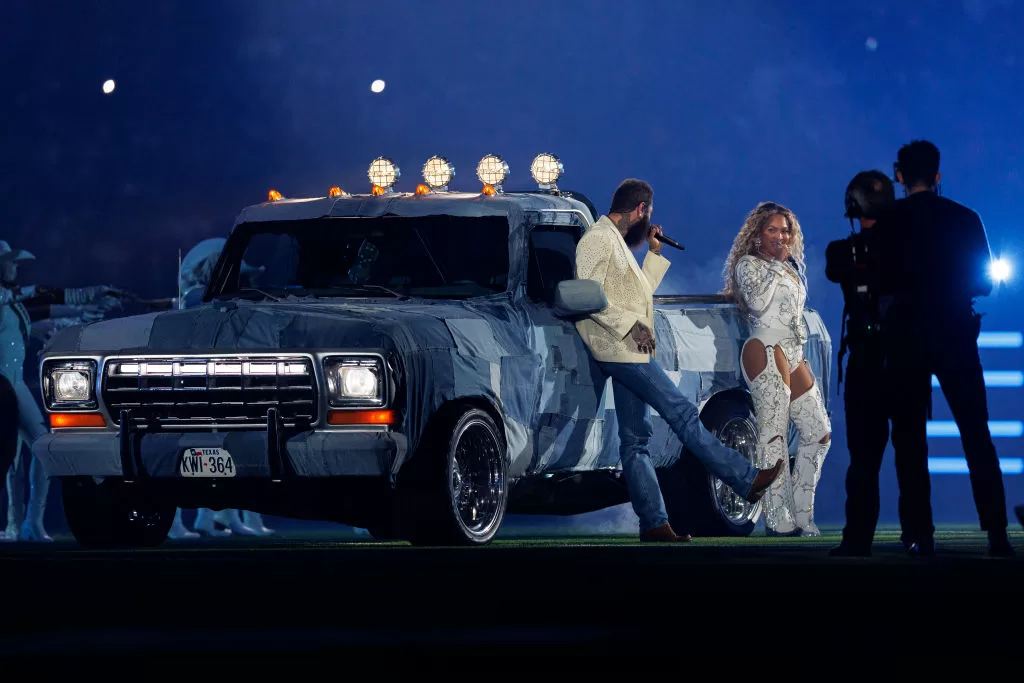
808,414
771,409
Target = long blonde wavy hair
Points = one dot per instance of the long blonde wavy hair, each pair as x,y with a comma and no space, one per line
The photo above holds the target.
751,230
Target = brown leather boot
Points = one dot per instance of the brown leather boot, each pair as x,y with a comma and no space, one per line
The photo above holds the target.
663,534
762,481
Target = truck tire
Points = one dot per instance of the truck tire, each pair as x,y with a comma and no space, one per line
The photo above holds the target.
105,515
698,502
455,491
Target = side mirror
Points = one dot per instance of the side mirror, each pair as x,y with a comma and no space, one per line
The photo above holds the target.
576,299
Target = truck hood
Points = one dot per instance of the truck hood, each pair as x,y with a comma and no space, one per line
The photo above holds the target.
252,326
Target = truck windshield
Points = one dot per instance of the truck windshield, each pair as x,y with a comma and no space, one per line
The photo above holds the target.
389,256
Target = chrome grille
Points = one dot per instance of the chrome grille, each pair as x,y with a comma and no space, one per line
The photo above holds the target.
207,390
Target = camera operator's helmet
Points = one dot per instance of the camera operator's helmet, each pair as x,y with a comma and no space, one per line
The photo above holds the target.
868,194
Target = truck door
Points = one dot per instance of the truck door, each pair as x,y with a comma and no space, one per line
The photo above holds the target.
569,434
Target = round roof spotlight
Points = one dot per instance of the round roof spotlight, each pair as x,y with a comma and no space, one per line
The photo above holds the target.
546,169
492,171
438,172
383,173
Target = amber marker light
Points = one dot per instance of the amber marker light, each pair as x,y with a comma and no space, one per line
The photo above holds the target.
66,420
361,417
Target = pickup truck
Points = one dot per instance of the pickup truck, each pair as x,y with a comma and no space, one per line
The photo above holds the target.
405,362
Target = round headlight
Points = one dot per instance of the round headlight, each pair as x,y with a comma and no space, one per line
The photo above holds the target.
358,383
492,170
383,173
438,172
70,385
546,169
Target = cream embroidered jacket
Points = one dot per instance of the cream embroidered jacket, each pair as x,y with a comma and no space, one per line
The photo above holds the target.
602,255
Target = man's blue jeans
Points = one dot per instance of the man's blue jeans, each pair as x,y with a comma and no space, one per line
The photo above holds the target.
637,388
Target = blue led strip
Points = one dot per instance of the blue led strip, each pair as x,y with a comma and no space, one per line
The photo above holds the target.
959,465
996,378
998,428
1000,340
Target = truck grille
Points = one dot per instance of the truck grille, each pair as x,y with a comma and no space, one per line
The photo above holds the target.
200,391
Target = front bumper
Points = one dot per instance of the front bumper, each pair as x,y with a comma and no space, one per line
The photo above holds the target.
158,455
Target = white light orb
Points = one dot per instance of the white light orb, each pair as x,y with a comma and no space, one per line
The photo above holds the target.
377,86
1000,270
108,86
871,44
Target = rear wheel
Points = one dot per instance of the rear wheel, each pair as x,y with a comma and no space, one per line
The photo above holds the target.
698,502
111,515
456,489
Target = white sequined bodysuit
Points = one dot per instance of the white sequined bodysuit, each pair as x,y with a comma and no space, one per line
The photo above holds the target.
774,295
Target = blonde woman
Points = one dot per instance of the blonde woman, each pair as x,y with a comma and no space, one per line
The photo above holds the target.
764,274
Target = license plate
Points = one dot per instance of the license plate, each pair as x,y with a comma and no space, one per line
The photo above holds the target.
207,462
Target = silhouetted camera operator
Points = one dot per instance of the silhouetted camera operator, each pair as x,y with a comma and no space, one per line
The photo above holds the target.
850,262
934,260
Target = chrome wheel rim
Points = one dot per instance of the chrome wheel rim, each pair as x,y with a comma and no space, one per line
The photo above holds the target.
740,434
477,480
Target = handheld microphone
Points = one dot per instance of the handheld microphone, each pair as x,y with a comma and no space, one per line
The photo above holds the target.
665,239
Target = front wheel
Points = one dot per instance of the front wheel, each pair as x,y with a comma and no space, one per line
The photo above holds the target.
698,502
110,515
456,491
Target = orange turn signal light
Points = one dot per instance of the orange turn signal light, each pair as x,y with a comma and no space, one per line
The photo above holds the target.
65,420
378,191
422,189
274,195
335,192
489,190
361,417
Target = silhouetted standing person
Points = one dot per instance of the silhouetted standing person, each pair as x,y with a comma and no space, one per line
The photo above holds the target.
934,260
850,262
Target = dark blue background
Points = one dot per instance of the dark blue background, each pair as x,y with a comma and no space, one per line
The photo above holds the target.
720,105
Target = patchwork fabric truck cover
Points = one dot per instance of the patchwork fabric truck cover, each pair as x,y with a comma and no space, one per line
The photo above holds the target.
528,364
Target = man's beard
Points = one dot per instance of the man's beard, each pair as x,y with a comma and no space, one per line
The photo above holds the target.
638,232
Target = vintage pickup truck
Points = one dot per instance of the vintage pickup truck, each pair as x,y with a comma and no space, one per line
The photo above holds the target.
406,362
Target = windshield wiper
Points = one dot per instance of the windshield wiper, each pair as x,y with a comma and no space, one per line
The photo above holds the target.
361,288
255,290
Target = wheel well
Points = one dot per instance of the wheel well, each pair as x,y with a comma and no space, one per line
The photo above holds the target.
479,402
726,397
483,404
